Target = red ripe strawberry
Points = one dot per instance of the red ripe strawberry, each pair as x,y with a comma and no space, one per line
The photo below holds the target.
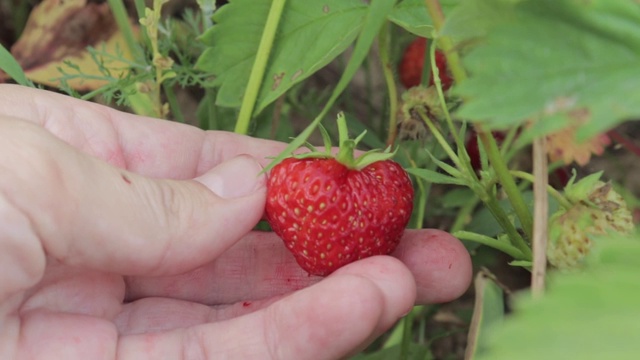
412,62
331,211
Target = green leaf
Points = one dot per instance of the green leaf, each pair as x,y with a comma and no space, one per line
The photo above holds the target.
434,176
474,18
412,15
576,62
589,315
310,35
456,198
375,17
9,65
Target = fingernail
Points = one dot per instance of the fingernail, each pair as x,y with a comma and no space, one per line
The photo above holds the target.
234,178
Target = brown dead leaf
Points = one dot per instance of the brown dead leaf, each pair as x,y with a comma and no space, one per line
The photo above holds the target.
61,30
563,146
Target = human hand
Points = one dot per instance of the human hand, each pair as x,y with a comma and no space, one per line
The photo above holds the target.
128,237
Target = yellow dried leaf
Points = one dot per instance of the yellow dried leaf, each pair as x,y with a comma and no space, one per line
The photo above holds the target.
61,30
563,146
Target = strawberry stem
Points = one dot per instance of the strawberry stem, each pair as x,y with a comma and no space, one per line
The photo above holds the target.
503,246
259,67
346,145
347,148
453,59
383,52
486,138
561,199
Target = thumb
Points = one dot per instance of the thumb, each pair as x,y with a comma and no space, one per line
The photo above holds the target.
85,212
234,178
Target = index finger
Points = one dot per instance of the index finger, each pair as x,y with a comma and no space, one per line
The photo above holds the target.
150,147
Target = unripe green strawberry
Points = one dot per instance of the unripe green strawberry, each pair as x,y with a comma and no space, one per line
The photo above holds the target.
331,211
597,210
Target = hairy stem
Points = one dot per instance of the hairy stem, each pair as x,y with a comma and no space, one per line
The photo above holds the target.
453,58
486,139
503,246
553,192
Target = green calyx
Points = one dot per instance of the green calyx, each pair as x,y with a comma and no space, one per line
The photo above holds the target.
346,148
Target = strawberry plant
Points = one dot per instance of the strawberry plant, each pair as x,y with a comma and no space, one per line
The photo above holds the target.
515,91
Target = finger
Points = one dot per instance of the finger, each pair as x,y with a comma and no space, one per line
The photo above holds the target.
88,213
325,321
150,147
439,262
259,266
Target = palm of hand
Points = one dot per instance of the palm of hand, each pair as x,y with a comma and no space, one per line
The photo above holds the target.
102,259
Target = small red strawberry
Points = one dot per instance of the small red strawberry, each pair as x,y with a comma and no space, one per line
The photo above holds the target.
333,210
410,67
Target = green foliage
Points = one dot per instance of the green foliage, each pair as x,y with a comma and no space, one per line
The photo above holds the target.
374,20
9,65
586,315
309,36
413,16
558,62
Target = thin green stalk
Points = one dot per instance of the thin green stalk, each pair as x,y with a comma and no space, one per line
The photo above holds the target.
259,67
144,36
503,246
501,216
383,50
407,324
173,102
453,59
508,183
443,104
436,133
421,204
122,19
562,200
487,140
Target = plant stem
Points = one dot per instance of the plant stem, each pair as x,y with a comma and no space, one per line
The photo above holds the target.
508,183
436,133
259,67
122,19
487,140
173,102
553,192
445,109
541,220
501,216
423,195
383,50
453,59
478,189
406,336
503,246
